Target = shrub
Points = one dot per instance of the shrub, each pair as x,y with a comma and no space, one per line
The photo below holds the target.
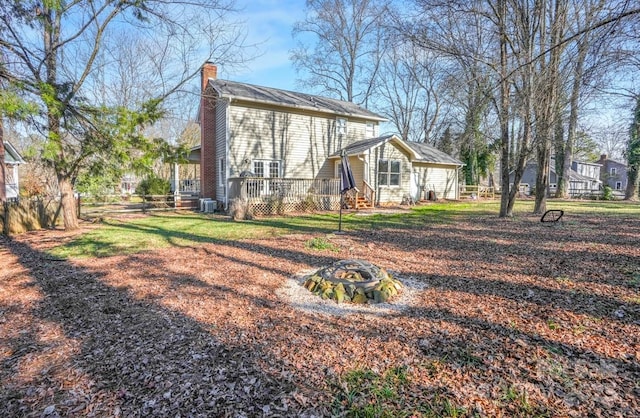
153,186
607,193
240,210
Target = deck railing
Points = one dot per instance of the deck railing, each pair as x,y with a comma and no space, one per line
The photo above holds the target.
190,186
280,195
368,192
352,198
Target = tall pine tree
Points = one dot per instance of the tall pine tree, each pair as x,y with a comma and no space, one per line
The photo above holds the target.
633,155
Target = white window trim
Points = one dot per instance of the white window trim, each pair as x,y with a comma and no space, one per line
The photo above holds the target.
387,185
618,185
341,126
266,167
612,171
370,130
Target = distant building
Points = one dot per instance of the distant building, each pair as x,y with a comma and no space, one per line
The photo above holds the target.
613,173
584,178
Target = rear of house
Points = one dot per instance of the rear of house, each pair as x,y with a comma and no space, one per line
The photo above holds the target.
270,145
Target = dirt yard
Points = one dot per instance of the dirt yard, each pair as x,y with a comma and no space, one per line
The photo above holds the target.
512,318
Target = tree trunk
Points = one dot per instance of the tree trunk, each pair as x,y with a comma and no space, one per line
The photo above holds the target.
563,179
518,172
549,98
504,114
632,184
68,202
3,186
542,179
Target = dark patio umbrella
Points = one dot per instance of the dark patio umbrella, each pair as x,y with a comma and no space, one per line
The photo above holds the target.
347,182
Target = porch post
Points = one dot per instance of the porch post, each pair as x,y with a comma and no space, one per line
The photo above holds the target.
176,183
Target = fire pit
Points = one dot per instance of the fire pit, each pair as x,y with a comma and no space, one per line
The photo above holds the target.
355,281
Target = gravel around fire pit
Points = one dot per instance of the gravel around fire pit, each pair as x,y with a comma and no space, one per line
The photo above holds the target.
294,293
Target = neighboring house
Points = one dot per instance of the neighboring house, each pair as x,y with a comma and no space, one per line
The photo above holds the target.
590,180
613,173
584,178
128,184
266,141
12,160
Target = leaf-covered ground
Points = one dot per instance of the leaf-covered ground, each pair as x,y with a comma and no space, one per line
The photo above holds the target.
515,319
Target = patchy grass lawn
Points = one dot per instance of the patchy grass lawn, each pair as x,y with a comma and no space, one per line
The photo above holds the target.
182,314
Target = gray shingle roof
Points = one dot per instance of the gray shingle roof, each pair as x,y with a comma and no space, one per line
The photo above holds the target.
259,94
423,152
430,154
358,147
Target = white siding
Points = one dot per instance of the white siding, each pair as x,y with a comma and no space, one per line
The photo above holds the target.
443,180
389,194
301,141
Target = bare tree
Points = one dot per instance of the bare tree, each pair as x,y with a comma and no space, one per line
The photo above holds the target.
456,41
584,65
52,51
531,61
408,92
610,139
342,58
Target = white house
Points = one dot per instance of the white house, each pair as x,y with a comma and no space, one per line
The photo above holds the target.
268,144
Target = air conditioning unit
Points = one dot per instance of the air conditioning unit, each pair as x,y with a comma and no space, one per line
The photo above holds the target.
210,206
201,203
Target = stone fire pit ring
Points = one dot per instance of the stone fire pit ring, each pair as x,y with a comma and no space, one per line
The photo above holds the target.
356,281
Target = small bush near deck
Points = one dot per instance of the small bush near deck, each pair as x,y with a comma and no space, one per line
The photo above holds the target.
153,186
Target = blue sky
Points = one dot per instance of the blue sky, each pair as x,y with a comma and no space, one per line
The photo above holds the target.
269,24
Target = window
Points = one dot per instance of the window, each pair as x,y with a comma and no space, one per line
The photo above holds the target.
221,173
370,130
389,173
618,185
274,169
266,168
612,171
258,168
341,126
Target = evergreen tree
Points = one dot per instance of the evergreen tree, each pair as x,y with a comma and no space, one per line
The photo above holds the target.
633,155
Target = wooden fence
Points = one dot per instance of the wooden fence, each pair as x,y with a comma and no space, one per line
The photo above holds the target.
113,205
18,216
475,191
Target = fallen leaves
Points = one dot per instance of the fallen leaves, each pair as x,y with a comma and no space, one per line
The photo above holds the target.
513,318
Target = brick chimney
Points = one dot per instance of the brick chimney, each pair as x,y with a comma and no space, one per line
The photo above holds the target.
208,161
603,157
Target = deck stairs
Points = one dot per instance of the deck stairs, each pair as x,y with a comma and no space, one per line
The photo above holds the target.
357,199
